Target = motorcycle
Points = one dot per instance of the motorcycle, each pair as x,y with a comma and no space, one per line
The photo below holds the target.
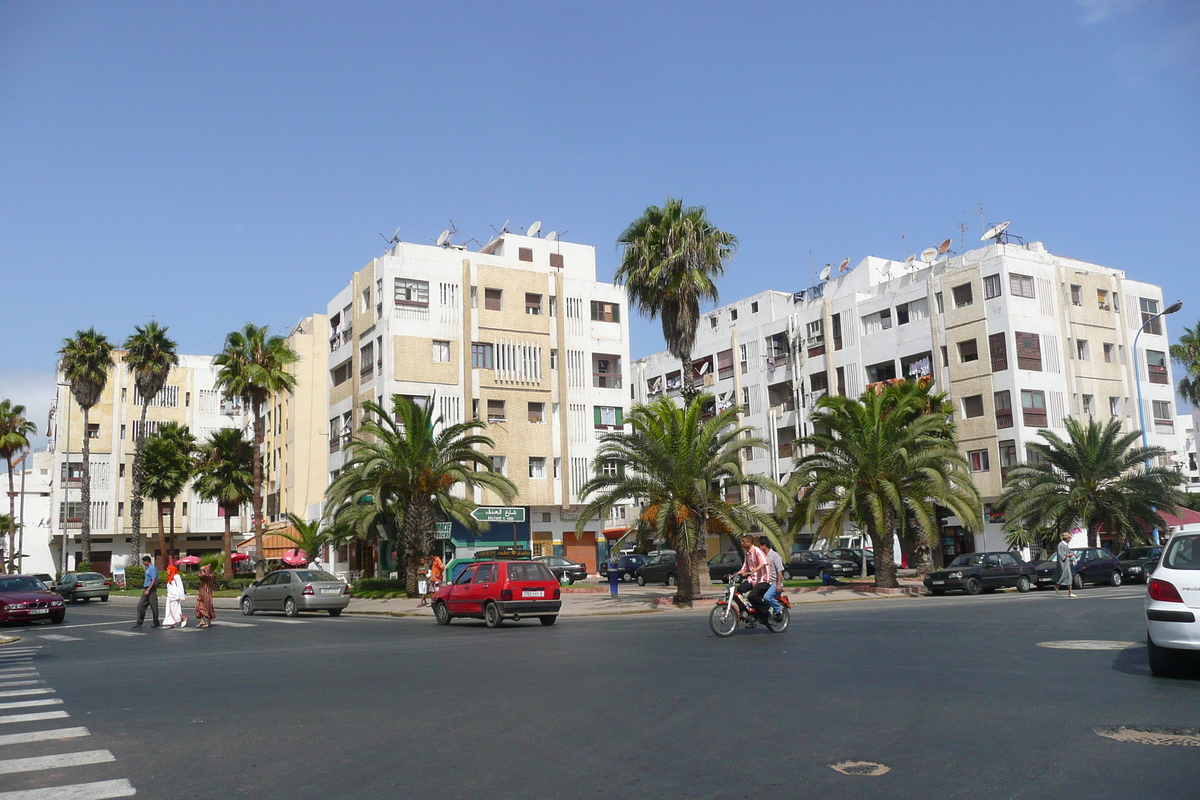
735,609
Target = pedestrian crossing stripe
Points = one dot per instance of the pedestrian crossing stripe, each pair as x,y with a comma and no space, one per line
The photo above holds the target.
27,703
43,736
234,624
32,764
100,790
59,637
4,684
33,717
20,692
123,633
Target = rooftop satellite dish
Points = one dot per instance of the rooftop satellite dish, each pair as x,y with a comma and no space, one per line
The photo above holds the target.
943,247
886,268
995,231
534,229
551,236
443,238
929,254
842,266
911,259
825,273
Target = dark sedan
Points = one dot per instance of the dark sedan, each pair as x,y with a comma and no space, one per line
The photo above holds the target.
25,598
1092,565
627,565
76,586
564,568
661,568
1136,560
852,554
722,565
982,572
811,563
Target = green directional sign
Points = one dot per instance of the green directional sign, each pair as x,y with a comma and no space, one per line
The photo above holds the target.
441,530
499,514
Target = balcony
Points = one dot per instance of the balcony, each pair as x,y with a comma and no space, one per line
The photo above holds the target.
367,373
1034,418
1158,373
816,346
340,338
606,380
785,450
404,310
1004,419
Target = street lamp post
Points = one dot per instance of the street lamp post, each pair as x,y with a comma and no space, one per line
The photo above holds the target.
1137,378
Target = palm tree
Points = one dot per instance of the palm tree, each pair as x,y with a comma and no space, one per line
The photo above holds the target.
15,431
672,258
884,462
310,537
679,467
150,354
1095,478
1187,355
253,366
225,473
86,361
170,462
403,469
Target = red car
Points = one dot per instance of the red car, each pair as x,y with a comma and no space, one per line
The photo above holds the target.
24,597
498,590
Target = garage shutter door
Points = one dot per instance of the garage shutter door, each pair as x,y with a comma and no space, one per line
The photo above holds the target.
581,548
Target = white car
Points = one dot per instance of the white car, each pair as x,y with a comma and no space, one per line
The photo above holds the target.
1172,603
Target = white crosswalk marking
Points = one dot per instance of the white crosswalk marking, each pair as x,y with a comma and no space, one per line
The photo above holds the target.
100,790
234,624
59,637
34,717
20,692
43,736
285,621
123,633
4,684
28,703
35,763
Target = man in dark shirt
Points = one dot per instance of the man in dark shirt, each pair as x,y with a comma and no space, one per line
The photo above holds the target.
149,597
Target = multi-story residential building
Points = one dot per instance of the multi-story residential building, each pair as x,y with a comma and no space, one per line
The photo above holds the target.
33,487
189,398
1018,338
519,334
1188,465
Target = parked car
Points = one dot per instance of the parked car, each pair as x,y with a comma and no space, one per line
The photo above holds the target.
498,590
811,563
25,597
855,555
661,568
1134,561
722,565
47,579
1092,565
564,568
294,590
627,565
982,572
76,586
1172,602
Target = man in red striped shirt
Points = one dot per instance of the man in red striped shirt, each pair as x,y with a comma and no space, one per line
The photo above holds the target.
756,570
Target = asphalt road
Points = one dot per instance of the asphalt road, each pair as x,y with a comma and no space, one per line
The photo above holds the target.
953,694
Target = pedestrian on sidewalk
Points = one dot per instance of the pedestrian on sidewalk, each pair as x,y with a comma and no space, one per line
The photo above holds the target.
423,580
175,595
437,573
205,612
1065,574
149,598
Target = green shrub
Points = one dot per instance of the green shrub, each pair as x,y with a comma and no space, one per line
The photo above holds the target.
379,585
134,575
83,566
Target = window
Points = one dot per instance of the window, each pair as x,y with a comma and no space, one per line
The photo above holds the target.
1162,412
725,364
1076,294
121,470
1020,285
342,372
474,297
557,468
441,351
493,299
365,306
610,469
120,509
605,312
1108,353
998,349
553,306
1156,365
500,465
973,406
482,355
607,417
1150,309
556,260
411,293
1029,351
554,358
733,315
754,307
962,296
1033,408
1004,415
537,467
941,306
495,409
945,356
968,351
712,322
1089,404
366,361
525,253
1008,457
533,304
991,287
537,413
885,319
1114,406
979,460
836,324
93,430
122,431
1102,299
1081,350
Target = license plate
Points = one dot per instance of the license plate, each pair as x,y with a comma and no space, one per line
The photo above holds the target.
938,583
534,593
1044,580
331,591
39,611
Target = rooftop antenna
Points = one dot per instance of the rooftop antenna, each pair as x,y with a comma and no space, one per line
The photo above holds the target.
845,263
929,254
811,281
905,247
995,232
962,236
982,224
503,228
395,237
534,229
825,272
551,236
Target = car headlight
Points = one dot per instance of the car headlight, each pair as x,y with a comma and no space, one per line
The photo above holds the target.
11,606
1135,569
954,576
56,602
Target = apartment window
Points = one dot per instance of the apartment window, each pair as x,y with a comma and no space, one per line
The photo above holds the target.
1081,350
557,465
1004,412
1076,294
525,253
500,465
941,306
968,351
556,260
379,298
93,430
962,295
120,508
124,390
742,358
605,312
902,314
991,287
495,411
121,470
411,293
537,467
1008,457
945,356
725,364
712,323
441,351
1029,351
1108,353
1150,309
1020,285
553,303
973,406
482,355
1156,365
607,417
733,315
553,358
979,460
342,372
841,381
366,361
1162,412
1114,406
533,304
474,297
1089,404
835,323
365,304
998,349
754,307
537,413
122,431
1033,408
1102,299
493,299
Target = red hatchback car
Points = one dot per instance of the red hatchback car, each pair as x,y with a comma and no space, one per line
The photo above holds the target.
24,597
498,590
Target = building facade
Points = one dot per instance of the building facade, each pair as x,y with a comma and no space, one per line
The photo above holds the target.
519,334
1018,338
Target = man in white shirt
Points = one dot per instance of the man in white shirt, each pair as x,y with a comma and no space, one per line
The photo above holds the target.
775,565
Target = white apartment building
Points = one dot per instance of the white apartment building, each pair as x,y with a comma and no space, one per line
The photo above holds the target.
1186,459
32,483
189,398
1017,338
519,334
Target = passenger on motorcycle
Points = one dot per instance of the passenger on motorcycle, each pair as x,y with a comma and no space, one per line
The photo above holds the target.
756,570
775,577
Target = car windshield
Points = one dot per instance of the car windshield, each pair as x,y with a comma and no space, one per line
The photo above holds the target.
21,583
1135,553
1183,552
316,576
90,576
532,571
968,560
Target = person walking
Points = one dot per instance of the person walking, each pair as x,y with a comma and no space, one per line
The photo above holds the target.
205,612
149,598
1066,562
423,580
175,595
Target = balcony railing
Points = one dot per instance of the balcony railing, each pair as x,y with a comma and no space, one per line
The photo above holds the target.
1034,419
1004,419
340,338
1158,374
606,380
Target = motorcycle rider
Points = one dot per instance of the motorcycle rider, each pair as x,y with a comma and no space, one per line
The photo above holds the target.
756,570
775,567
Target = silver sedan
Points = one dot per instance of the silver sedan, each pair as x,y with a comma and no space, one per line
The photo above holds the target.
294,590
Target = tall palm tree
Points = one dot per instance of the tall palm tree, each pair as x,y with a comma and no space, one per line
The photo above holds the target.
15,431
253,366
1187,355
403,469
225,473
170,462
672,258
310,537
679,468
884,462
1094,478
86,362
150,354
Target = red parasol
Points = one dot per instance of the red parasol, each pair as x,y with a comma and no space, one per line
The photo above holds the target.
238,557
189,560
295,557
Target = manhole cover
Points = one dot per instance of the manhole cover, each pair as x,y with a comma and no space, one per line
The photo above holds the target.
860,768
1089,644
1181,737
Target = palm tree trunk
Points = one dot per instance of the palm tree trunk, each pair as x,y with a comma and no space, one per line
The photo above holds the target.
689,383
85,495
12,519
228,546
259,438
885,558
136,502
684,592
171,534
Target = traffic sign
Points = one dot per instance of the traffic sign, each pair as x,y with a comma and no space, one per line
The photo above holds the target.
499,514
442,530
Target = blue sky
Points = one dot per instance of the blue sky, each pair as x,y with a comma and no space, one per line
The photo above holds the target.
211,164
